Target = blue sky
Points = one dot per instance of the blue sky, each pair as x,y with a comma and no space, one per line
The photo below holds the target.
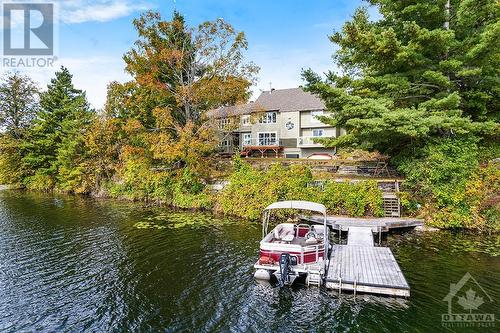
283,36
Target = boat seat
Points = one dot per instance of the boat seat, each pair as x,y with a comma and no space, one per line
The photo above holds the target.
279,234
311,240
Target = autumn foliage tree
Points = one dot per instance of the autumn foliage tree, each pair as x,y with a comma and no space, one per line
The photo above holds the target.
179,73
19,104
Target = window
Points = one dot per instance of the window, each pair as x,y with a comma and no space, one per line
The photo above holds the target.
224,143
224,122
315,115
268,118
318,132
267,139
247,139
291,155
245,120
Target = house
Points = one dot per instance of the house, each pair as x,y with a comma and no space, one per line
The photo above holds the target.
280,122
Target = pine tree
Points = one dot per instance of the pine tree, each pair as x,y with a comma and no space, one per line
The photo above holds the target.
420,72
54,141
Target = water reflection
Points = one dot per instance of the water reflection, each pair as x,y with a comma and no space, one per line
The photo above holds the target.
75,264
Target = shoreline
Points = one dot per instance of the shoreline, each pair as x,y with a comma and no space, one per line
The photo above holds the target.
425,228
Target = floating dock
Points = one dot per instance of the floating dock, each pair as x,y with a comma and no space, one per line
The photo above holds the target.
377,224
359,266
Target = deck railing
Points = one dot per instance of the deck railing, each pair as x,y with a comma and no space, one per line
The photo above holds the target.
308,141
261,142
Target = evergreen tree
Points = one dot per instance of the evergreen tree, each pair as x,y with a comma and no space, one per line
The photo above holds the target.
422,71
54,142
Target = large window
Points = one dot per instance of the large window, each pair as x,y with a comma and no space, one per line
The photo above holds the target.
247,139
267,139
318,132
268,118
224,122
315,115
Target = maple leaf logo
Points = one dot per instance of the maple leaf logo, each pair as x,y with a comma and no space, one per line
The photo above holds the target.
470,301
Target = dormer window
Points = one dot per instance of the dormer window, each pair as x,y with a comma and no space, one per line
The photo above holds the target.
268,118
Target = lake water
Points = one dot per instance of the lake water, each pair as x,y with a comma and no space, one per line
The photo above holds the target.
73,264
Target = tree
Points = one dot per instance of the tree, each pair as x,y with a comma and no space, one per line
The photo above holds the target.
18,103
102,147
421,72
54,143
179,73
194,70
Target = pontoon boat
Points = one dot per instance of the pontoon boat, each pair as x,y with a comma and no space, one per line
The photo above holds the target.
293,249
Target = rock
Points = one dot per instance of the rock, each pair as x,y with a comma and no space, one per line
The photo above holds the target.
426,228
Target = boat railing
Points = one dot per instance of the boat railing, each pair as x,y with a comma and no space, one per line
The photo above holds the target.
310,248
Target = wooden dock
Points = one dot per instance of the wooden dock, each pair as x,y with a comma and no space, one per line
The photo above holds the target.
376,224
359,266
360,236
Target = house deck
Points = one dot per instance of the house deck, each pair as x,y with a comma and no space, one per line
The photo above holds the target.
248,150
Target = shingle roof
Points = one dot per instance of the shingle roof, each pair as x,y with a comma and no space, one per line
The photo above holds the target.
294,99
283,100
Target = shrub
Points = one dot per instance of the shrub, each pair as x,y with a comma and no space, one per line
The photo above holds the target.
251,190
189,192
138,180
11,171
353,199
455,191
482,191
39,182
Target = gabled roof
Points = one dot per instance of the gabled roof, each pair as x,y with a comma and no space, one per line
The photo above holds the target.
283,100
294,99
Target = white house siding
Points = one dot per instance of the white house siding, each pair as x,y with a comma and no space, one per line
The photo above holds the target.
307,120
292,118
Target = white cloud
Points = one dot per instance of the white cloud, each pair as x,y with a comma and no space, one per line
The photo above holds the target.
79,11
91,74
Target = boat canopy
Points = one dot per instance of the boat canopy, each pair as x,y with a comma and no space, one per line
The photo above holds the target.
298,204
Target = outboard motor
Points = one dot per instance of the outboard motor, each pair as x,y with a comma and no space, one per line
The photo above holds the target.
284,269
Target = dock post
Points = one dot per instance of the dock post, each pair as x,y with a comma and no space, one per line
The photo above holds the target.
340,278
379,235
340,234
356,274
